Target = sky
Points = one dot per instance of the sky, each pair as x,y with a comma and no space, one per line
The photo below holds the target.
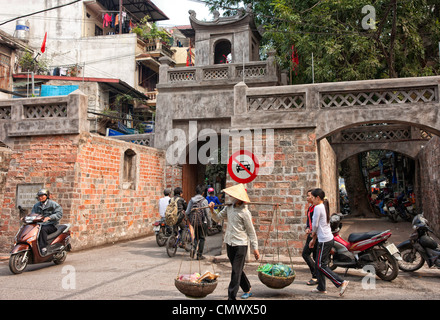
177,11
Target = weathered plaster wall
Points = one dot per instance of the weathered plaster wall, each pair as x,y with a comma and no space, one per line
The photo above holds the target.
429,178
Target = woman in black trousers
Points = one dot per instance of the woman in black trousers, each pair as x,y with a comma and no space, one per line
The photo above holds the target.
240,230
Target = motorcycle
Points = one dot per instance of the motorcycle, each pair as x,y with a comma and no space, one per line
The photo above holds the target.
405,207
363,249
26,249
390,208
163,232
420,247
215,228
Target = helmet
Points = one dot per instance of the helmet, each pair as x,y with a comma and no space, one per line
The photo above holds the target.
42,192
419,221
210,190
335,222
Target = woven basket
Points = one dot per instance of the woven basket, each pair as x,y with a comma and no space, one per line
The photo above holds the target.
274,282
195,290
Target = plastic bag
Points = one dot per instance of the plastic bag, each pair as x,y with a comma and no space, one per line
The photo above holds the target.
190,277
277,270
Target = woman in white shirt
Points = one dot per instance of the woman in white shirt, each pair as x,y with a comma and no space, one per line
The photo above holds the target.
239,231
321,230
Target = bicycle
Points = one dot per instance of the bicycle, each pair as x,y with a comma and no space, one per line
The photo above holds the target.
181,239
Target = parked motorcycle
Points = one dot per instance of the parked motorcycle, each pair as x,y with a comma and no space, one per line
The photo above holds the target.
344,204
26,249
163,232
390,209
362,249
405,208
420,247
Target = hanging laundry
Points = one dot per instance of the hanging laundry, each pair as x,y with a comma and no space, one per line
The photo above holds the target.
113,21
106,21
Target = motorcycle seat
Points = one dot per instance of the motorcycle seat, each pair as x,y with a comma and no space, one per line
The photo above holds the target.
60,229
355,237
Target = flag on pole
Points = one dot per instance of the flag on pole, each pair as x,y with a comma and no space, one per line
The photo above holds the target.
43,45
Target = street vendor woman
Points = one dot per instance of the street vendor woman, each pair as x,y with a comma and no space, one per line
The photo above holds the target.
239,231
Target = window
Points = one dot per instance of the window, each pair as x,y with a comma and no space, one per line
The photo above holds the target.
221,51
129,170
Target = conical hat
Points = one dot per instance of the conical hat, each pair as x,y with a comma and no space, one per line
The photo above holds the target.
238,191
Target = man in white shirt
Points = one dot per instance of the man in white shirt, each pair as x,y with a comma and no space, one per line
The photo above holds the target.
163,202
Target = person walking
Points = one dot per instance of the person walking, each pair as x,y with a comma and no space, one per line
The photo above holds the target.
239,232
322,233
308,252
200,220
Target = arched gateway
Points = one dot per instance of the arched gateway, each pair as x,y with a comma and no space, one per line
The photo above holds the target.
315,126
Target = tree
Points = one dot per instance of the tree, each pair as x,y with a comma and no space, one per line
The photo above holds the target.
355,187
347,43
350,40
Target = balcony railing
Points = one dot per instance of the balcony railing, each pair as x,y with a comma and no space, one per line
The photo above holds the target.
259,71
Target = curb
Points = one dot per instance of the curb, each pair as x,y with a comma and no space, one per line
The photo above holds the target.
4,256
267,259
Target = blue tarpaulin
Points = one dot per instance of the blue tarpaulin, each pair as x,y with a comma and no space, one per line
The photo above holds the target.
50,91
111,132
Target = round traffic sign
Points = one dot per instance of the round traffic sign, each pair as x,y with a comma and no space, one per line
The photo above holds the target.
243,166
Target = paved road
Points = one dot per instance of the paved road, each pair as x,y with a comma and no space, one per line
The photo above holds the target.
140,270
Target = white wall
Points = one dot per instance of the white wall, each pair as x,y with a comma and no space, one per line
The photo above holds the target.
104,56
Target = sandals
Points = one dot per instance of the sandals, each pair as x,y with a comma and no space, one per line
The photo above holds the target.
343,287
318,291
312,282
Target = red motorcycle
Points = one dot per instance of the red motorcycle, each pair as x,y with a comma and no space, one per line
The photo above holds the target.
364,249
26,250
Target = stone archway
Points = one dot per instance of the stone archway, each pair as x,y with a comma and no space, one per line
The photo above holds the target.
403,138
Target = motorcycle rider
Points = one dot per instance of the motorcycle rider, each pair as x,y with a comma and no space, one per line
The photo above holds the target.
181,209
52,213
164,202
211,197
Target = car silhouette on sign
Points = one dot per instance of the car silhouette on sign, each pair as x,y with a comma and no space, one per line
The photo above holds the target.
245,164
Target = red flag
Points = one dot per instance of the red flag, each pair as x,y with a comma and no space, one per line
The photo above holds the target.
189,57
43,46
295,60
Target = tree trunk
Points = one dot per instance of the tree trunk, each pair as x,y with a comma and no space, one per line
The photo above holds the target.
354,183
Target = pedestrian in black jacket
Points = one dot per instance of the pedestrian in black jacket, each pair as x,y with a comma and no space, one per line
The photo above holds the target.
307,252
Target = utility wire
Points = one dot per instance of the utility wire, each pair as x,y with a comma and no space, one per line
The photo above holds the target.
31,14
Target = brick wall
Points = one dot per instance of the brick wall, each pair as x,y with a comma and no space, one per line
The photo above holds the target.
295,171
5,158
84,173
